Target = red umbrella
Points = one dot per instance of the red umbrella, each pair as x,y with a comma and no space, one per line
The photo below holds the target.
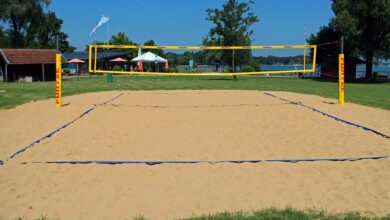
119,60
76,61
166,65
140,66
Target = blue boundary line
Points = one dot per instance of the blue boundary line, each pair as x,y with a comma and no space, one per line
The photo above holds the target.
59,129
330,116
116,162
134,162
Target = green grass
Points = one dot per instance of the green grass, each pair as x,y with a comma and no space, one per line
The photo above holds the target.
274,214
288,213
370,94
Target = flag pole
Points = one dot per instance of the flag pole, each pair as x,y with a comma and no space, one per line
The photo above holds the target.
108,31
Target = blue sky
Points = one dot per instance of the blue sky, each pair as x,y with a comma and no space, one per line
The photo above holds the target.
182,22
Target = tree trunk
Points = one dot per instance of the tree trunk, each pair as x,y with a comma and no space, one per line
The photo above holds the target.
15,40
369,63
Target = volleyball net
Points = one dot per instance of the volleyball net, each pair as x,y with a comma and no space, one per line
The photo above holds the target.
202,60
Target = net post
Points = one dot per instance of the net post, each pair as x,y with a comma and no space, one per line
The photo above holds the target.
314,58
341,72
304,59
95,61
58,81
233,64
90,58
341,79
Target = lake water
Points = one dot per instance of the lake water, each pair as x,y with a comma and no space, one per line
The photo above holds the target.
382,70
360,69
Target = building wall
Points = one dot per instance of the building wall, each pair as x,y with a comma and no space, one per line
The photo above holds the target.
16,72
330,68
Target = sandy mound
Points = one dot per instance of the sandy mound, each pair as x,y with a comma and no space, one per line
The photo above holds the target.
191,125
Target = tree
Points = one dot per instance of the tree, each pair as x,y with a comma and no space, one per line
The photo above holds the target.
121,39
96,43
43,35
232,28
366,27
159,52
325,35
21,14
30,26
3,38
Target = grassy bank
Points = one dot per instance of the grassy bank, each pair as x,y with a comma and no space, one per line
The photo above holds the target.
272,214
289,213
375,95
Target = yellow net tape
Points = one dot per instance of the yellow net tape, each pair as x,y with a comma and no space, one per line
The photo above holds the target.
304,55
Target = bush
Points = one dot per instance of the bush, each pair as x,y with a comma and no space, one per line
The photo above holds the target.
117,68
375,76
172,69
66,71
247,69
255,65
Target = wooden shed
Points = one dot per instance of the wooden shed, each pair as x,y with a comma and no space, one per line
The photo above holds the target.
330,67
30,64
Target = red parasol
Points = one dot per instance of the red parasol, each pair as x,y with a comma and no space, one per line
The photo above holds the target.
119,60
75,60
140,66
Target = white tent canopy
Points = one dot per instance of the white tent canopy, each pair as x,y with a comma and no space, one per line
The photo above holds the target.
149,57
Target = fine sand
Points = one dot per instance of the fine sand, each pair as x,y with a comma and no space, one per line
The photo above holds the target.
191,125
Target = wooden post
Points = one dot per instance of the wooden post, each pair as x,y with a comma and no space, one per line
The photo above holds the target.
233,64
6,73
43,72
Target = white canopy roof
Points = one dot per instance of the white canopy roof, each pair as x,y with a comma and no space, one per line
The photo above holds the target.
149,57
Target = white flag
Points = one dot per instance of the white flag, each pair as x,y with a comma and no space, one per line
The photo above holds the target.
103,20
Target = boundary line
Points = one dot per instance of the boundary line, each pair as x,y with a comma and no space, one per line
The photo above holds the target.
134,162
330,116
58,129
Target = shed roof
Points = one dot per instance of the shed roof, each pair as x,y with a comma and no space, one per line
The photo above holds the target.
101,55
28,56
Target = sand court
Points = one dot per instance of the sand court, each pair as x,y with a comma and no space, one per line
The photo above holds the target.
191,125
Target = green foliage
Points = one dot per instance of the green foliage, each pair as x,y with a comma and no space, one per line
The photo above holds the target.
140,217
4,43
247,69
287,213
328,34
21,15
158,52
275,60
255,65
117,68
30,26
121,39
172,69
232,28
43,34
366,27
66,70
